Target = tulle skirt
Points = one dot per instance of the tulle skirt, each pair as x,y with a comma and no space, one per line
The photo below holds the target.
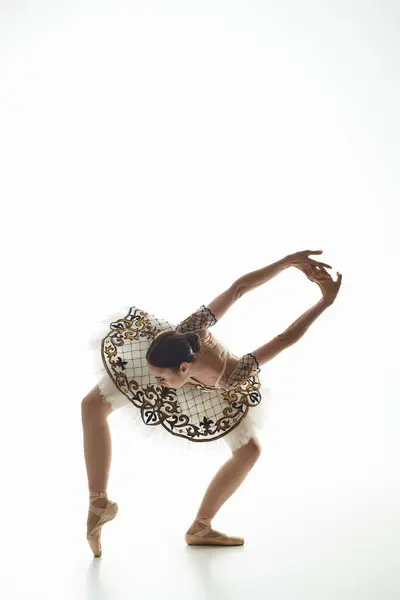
250,426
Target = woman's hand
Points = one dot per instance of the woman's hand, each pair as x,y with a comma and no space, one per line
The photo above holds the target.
301,259
323,279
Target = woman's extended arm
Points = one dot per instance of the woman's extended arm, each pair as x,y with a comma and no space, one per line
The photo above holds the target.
255,278
300,259
298,328
291,335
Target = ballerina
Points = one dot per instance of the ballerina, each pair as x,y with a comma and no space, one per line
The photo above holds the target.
181,359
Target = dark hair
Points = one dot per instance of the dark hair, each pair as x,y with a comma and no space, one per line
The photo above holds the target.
170,348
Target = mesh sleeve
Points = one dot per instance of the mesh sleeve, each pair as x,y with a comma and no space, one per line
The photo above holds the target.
247,367
201,319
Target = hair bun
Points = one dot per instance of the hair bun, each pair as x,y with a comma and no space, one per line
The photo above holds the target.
194,341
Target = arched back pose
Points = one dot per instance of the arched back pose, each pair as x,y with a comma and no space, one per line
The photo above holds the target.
190,357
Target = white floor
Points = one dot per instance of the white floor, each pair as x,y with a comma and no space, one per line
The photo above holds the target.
125,126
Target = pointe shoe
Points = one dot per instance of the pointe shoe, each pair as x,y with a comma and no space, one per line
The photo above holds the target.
210,537
106,514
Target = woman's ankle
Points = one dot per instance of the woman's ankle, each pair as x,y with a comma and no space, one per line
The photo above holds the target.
95,494
98,499
198,525
204,520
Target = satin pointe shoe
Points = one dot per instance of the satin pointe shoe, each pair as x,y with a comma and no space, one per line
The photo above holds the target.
106,514
206,536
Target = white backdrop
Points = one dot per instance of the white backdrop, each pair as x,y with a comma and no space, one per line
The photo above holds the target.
154,152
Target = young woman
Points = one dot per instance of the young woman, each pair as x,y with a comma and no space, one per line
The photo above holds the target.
189,354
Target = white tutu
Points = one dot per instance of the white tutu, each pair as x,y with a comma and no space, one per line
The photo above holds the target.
252,423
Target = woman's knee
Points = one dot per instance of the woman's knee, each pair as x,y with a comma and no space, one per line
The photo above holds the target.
251,450
93,405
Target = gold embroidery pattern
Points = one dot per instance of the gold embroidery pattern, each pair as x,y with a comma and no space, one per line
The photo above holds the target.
201,414
244,373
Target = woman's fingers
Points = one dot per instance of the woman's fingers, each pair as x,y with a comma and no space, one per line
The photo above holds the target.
315,262
307,252
311,273
320,269
318,273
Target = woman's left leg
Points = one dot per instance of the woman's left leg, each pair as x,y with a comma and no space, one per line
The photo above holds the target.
226,481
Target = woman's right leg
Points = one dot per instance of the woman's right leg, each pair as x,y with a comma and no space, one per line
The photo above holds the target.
96,440
97,450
